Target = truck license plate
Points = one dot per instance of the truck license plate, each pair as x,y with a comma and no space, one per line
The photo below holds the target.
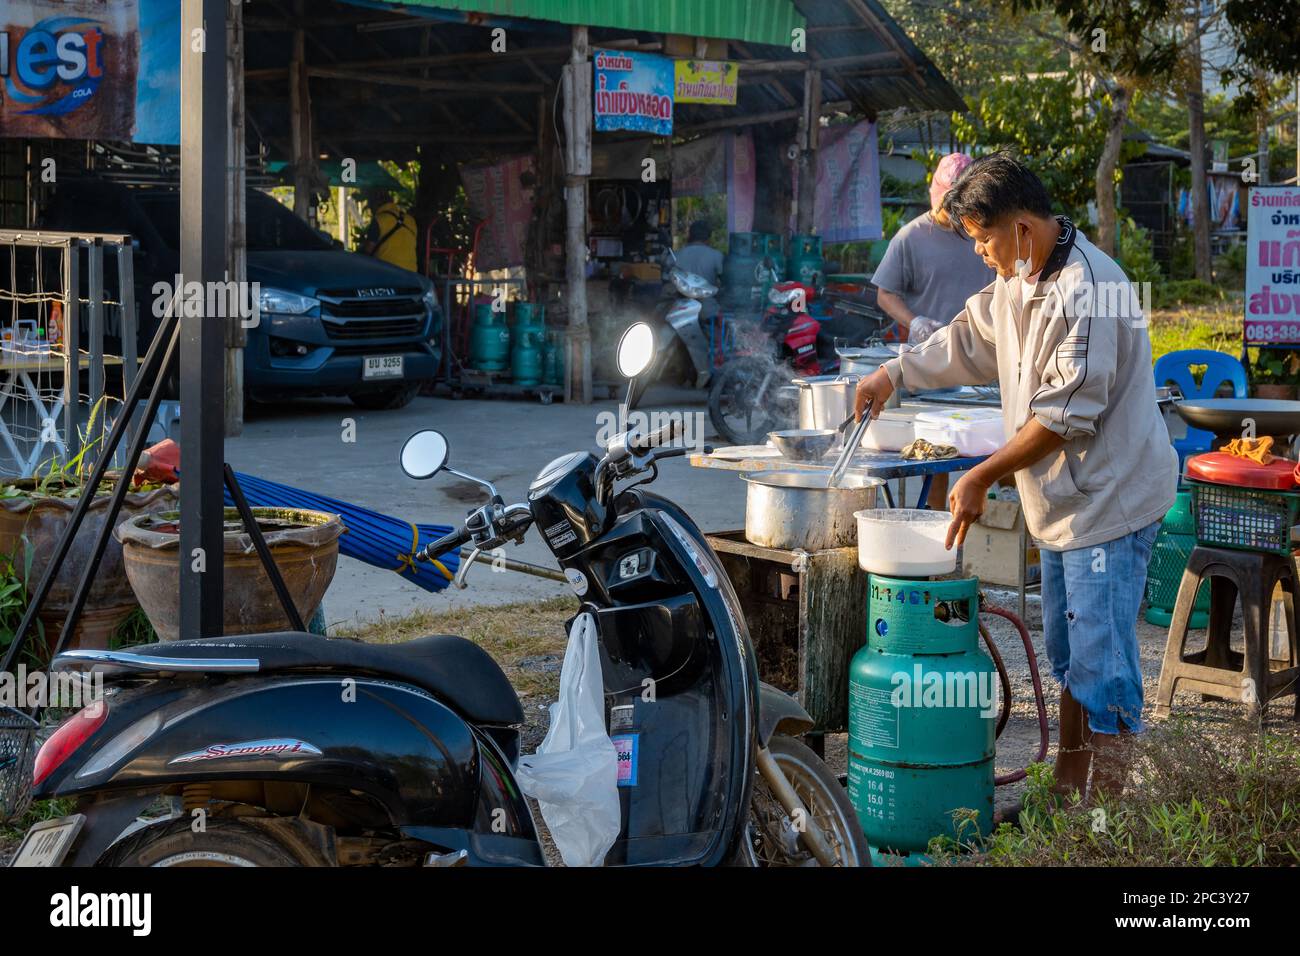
47,843
382,366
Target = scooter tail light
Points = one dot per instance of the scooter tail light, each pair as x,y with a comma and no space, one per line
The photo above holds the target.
65,741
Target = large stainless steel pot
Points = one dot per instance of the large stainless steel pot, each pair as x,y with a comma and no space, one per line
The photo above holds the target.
864,360
796,510
825,400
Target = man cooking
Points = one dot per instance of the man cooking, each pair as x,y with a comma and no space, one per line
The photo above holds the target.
928,273
1091,458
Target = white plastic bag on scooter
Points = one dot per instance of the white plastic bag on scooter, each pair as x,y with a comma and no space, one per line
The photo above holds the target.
574,774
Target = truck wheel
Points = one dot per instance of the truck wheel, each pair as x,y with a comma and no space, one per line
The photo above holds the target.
386,399
222,843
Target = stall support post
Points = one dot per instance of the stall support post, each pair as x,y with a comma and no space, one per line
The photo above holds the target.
204,130
236,230
809,135
577,128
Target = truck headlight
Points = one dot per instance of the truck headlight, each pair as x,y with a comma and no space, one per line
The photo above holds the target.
285,303
430,298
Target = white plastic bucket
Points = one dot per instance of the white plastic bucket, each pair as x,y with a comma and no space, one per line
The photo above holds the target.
906,542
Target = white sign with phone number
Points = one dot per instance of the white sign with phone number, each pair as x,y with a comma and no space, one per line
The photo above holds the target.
1273,266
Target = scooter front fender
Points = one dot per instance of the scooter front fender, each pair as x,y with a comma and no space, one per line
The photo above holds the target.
778,711
396,745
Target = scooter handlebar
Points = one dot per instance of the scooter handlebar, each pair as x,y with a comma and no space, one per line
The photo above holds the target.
437,549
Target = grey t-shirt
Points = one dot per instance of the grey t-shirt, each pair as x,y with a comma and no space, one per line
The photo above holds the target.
704,261
933,269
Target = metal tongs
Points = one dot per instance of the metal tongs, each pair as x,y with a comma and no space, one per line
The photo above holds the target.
855,441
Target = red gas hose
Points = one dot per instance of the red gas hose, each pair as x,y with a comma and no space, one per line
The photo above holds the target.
1006,689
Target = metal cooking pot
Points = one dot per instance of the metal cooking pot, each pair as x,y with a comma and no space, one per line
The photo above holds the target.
862,361
796,510
825,400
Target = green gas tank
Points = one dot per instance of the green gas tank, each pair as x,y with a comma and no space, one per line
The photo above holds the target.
526,343
746,270
553,360
1169,554
805,263
922,715
489,339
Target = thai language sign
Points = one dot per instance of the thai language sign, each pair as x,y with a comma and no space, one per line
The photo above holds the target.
706,81
1273,266
634,91
85,69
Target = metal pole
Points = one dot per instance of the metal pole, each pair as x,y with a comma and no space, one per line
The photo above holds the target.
141,437
263,550
151,371
204,134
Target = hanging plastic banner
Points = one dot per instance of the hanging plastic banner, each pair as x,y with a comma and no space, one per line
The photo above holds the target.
1273,266
706,81
85,69
634,91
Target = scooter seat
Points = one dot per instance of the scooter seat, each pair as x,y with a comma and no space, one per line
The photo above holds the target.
452,668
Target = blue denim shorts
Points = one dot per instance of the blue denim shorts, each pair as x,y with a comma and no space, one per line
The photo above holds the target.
1090,607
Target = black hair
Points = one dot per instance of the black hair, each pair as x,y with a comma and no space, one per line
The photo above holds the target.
993,187
699,231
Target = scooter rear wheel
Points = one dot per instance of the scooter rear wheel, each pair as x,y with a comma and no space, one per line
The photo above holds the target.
776,842
221,843
746,401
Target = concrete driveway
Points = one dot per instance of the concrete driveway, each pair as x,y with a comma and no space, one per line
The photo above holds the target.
300,443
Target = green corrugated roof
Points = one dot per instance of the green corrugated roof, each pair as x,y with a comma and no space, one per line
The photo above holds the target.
756,21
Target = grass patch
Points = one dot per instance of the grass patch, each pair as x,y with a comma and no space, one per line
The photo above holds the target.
1216,326
511,633
39,811
1230,798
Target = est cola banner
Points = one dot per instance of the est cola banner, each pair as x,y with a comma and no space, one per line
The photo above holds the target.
90,69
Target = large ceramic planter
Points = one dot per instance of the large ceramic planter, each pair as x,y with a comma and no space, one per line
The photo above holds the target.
304,544
30,528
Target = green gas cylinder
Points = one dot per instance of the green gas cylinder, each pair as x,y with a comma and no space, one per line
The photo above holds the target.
1169,554
805,263
526,353
923,709
553,360
489,339
745,274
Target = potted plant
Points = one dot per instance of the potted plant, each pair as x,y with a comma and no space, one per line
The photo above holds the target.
304,545
34,512
1275,374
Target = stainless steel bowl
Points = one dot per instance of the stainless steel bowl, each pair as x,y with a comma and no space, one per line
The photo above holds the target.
803,444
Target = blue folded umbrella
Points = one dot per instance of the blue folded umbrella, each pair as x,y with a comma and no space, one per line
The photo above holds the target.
377,539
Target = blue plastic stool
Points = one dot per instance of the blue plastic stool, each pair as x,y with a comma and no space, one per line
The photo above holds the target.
1176,368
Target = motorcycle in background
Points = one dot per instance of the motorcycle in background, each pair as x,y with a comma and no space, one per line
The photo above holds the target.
752,393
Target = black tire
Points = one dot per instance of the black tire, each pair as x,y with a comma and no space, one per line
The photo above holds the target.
386,399
222,843
827,801
738,414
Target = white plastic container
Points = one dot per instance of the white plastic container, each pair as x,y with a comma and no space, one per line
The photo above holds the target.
972,431
892,431
904,542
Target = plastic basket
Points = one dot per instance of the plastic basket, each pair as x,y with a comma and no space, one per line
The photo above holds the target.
17,755
1247,519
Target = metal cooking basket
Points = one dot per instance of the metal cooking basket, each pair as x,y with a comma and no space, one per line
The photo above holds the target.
17,755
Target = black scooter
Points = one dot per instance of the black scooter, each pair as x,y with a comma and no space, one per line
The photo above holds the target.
294,749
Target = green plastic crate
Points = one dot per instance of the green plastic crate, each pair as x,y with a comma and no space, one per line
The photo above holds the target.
1247,519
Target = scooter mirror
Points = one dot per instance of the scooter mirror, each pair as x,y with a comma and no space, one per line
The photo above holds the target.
636,350
424,454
